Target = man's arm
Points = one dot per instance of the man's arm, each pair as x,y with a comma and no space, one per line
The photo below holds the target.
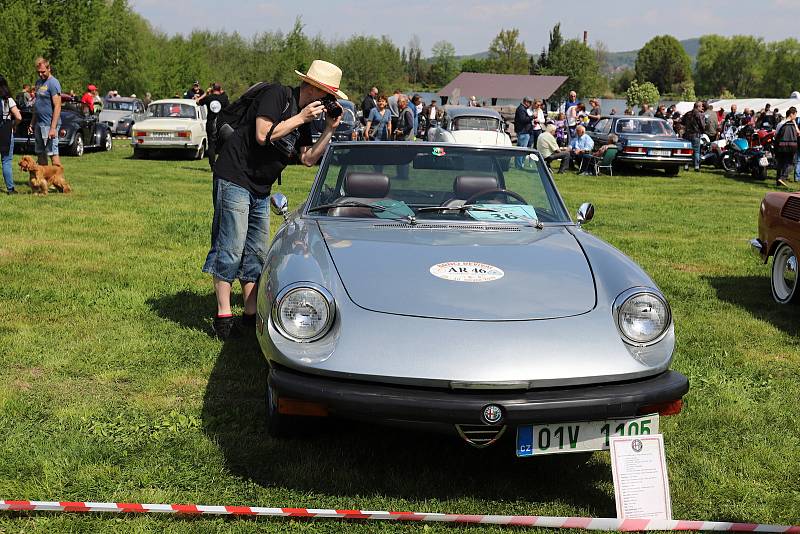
56,115
264,124
310,155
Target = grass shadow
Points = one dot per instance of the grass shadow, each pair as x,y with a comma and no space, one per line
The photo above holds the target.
186,308
345,458
753,294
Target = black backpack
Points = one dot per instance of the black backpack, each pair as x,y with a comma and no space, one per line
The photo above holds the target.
236,114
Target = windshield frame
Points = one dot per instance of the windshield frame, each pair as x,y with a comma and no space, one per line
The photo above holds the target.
554,195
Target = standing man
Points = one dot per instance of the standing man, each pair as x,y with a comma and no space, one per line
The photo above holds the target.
370,102
694,126
275,129
523,126
394,108
215,100
46,118
405,121
712,122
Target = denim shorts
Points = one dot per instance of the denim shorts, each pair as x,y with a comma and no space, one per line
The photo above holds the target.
43,144
239,233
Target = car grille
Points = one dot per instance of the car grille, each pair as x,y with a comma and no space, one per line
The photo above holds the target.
791,210
480,436
449,227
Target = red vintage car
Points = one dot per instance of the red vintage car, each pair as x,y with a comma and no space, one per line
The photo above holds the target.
779,236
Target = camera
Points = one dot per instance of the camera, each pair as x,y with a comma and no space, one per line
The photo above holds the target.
332,107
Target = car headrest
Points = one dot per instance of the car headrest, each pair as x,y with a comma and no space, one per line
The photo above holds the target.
466,186
366,185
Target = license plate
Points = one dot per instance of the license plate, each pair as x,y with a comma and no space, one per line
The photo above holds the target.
160,135
580,436
661,152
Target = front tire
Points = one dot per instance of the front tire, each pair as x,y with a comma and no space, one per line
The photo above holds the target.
728,164
759,173
76,148
784,276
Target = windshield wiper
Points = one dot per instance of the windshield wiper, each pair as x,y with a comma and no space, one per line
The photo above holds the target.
357,204
473,207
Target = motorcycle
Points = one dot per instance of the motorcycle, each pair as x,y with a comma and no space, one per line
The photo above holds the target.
739,157
711,152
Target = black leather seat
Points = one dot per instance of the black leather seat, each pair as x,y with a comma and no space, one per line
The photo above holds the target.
466,186
361,187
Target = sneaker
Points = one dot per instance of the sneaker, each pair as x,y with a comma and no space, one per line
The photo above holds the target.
226,328
12,192
247,323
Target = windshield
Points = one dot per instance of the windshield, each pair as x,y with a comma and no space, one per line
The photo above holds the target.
174,110
644,126
120,106
476,123
414,180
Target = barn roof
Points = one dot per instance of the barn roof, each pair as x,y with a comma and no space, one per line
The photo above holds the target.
503,85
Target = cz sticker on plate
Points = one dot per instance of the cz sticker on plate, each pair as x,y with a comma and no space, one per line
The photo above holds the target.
580,436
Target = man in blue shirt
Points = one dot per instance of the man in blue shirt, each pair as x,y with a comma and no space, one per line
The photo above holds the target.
582,146
46,119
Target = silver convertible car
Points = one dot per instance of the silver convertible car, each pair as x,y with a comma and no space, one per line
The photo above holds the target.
421,284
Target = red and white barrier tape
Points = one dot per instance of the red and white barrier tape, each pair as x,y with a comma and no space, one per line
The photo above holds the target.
586,523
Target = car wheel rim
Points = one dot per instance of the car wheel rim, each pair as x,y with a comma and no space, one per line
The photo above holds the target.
109,142
784,273
79,147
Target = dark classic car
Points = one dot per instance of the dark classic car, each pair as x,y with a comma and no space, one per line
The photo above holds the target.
644,141
779,237
78,132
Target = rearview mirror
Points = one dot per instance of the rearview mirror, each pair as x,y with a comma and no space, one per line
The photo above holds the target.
585,213
279,204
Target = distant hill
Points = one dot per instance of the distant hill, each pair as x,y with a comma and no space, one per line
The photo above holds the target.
619,60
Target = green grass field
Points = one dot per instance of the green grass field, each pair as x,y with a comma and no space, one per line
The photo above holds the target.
112,388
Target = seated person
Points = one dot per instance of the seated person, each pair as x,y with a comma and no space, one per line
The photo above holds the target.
581,146
549,149
598,154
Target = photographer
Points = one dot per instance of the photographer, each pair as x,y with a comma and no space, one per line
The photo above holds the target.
275,129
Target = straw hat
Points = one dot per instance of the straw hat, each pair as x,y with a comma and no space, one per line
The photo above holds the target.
325,76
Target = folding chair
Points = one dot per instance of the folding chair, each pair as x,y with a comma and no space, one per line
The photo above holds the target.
606,162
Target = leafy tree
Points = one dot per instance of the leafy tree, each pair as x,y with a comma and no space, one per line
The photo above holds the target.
783,68
687,92
444,65
20,25
507,55
414,65
664,62
367,62
644,93
474,65
579,63
556,41
737,64
621,80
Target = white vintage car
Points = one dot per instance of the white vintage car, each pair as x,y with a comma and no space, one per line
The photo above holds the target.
171,124
470,126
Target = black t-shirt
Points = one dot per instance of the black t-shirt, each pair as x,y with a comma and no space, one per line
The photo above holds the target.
255,167
214,104
191,93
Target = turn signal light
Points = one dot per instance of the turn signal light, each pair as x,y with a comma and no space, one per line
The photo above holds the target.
299,407
663,408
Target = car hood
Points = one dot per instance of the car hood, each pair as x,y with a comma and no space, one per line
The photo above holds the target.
480,137
164,124
465,272
113,115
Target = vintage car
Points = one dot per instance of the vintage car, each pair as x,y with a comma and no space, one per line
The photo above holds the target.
470,126
645,142
121,113
420,284
79,131
175,124
779,237
348,127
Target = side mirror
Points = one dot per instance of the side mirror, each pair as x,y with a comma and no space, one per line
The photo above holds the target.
280,205
585,213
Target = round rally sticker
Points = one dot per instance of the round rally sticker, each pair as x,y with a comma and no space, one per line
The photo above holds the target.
215,106
467,271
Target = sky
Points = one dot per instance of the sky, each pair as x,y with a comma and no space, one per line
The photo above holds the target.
470,25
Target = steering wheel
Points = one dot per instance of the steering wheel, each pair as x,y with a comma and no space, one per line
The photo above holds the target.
488,192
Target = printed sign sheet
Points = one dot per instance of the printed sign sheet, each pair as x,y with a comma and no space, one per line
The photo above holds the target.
641,486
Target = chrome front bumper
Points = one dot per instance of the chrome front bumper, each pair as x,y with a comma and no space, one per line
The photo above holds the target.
758,248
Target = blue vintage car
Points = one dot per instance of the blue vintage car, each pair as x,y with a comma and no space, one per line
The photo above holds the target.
644,141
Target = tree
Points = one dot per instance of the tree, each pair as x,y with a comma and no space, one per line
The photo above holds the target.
444,65
579,63
621,80
644,93
556,41
507,55
687,92
737,64
474,65
664,62
414,61
783,68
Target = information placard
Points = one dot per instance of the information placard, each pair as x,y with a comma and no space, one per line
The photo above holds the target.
641,486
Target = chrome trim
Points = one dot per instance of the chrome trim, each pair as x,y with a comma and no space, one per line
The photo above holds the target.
303,285
514,384
644,158
757,248
480,436
627,294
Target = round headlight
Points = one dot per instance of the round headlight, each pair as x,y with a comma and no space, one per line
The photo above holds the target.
304,313
643,317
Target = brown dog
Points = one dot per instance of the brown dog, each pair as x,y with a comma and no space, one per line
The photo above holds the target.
43,176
